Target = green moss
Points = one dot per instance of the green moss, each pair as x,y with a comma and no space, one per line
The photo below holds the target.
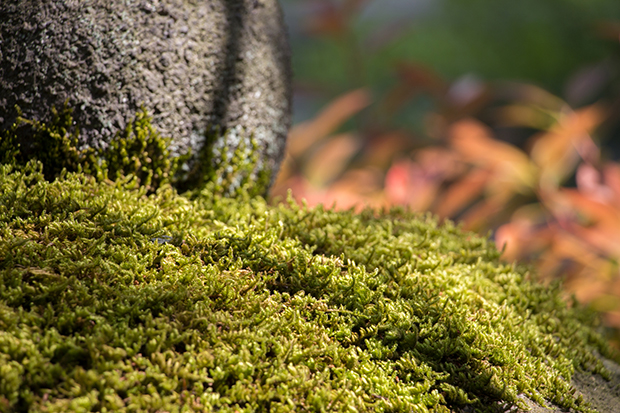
234,169
115,300
138,150
55,146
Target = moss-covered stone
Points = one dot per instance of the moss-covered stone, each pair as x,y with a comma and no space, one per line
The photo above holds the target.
193,65
115,300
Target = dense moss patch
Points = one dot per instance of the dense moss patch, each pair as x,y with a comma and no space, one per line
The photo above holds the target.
112,299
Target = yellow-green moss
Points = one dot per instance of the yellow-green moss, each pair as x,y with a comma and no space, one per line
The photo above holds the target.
115,300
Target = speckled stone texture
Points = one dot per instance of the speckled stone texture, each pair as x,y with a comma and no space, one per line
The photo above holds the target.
193,65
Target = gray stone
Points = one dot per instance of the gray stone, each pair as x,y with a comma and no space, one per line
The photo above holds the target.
194,65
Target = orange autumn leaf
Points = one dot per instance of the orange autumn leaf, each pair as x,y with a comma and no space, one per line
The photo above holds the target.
594,222
297,184
441,162
558,151
590,183
477,216
611,179
593,209
417,183
565,247
586,288
612,318
513,170
381,150
461,193
604,240
331,158
306,134
358,188
521,237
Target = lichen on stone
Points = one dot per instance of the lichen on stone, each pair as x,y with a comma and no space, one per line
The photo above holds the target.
117,298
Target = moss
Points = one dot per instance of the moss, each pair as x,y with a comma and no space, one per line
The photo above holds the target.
138,150
230,160
54,145
113,299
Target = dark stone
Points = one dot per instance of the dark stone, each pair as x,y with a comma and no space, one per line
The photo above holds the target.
194,65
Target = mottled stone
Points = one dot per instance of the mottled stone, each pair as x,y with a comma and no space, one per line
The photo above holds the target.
193,65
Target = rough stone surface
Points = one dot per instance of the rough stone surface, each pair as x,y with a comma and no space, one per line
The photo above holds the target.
603,395
192,64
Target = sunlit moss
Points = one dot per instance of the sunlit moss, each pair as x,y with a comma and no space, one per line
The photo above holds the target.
114,299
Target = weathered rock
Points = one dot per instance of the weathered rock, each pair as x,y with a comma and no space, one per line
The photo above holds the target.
194,65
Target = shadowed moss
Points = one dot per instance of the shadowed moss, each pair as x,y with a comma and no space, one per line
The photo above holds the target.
112,299
233,168
138,150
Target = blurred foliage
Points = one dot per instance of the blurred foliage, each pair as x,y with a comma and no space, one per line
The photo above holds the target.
346,44
502,115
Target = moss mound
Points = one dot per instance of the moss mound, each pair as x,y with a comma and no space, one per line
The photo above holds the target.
113,299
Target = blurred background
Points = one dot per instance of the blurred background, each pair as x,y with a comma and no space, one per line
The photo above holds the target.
503,115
